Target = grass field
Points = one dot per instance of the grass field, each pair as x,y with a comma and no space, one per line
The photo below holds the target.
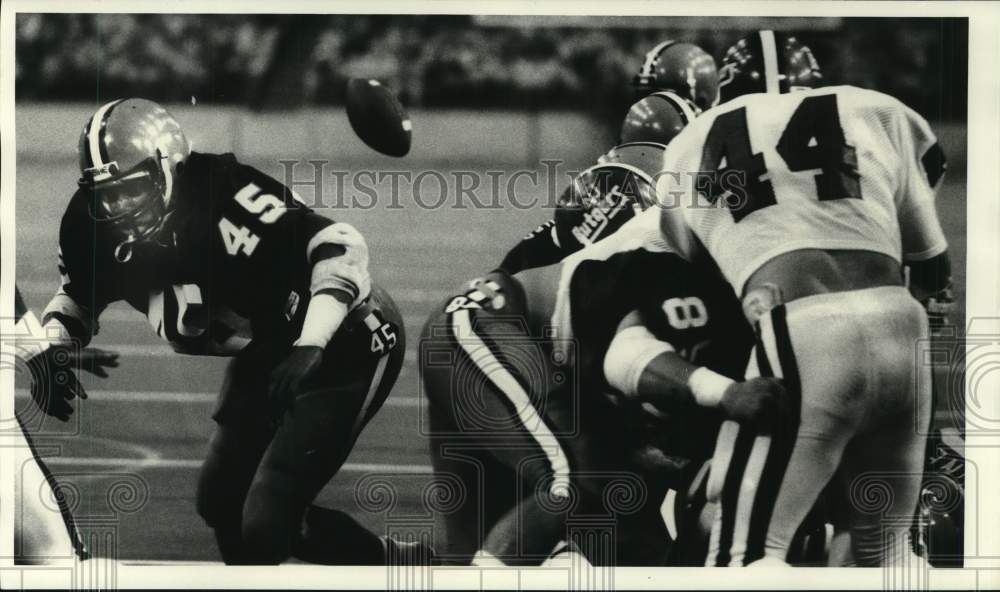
148,424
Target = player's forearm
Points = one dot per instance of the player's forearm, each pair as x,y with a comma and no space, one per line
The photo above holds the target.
538,249
671,383
66,320
664,382
929,282
33,338
645,368
339,258
324,316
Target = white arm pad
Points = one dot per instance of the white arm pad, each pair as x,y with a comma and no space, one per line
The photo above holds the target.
323,318
33,339
631,350
347,272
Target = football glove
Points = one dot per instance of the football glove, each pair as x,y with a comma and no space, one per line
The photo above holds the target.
760,403
54,383
288,378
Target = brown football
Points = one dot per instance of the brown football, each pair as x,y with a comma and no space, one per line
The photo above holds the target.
377,116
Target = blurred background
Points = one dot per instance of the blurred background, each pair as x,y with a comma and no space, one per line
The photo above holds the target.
485,93
268,61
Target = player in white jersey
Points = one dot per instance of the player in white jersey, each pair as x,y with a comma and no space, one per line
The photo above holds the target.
44,534
811,203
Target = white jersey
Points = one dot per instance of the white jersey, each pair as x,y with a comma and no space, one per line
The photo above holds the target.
831,168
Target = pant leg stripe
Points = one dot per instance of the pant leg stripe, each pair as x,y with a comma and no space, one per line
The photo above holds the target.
737,464
486,360
763,365
376,382
786,355
782,446
730,494
746,505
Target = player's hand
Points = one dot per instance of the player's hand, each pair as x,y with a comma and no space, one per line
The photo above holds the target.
289,377
758,403
95,360
939,307
53,382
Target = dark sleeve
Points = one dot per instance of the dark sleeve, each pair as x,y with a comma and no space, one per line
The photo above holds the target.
292,244
602,293
538,249
90,279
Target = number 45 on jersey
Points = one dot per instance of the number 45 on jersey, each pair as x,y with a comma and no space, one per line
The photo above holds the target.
268,209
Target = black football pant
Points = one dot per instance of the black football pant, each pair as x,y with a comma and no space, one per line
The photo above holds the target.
258,481
539,465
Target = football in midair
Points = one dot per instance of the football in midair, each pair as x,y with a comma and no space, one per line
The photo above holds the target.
377,116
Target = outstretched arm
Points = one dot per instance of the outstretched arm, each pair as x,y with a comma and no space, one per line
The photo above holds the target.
645,368
52,362
338,256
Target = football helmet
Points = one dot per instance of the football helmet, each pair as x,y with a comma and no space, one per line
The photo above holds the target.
130,151
683,68
657,118
767,61
645,156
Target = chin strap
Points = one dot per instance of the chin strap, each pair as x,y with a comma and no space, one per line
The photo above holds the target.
124,251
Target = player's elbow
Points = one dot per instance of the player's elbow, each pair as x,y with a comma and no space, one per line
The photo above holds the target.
339,258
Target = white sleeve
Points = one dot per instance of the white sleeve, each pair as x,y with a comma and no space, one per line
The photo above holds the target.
923,168
628,354
676,192
64,304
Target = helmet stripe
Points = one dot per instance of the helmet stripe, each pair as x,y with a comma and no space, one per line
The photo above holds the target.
101,143
638,143
679,105
652,56
94,135
86,152
621,165
770,51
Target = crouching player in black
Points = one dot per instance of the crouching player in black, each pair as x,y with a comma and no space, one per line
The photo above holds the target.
225,261
625,336
599,201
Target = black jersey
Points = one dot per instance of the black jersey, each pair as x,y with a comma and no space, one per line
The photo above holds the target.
691,307
599,201
230,264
